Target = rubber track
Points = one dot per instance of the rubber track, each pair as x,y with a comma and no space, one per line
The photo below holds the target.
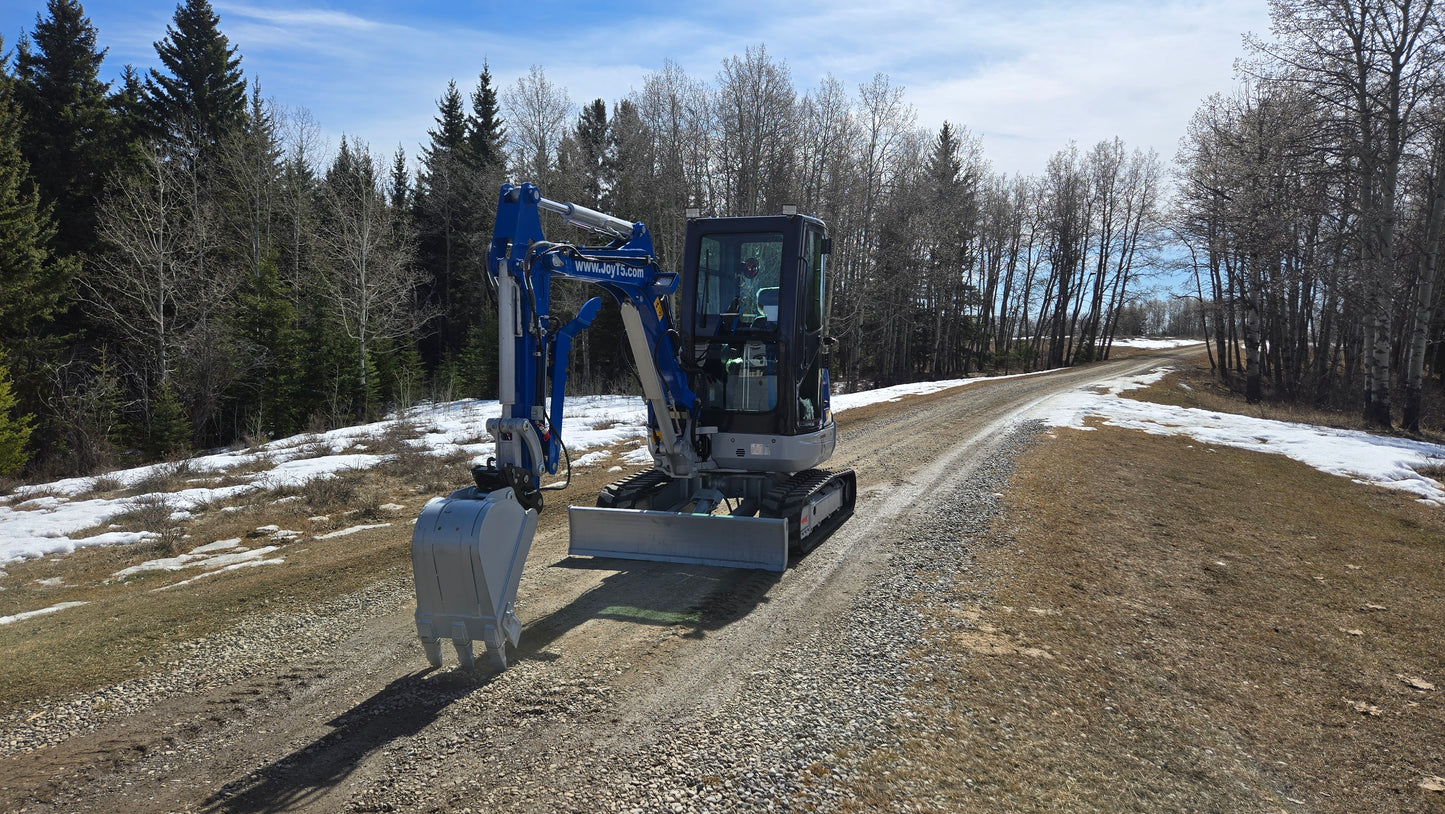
633,489
787,499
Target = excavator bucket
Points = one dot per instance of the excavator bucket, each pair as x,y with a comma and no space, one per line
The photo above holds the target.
702,539
467,552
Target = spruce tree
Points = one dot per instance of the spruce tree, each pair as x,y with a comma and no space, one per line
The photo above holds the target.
70,131
592,142
15,428
201,96
445,193
127,102
250,167
170,430
32,281
485,130
400,196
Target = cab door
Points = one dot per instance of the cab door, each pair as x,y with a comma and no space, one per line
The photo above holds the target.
812,321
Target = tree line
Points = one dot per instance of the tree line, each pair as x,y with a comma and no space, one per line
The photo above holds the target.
184,263
1311,202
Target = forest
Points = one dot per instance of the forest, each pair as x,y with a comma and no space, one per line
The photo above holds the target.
185,264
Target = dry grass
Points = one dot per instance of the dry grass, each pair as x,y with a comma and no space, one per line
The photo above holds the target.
128,627
127,630
171,476
1164,625
151,513
105,485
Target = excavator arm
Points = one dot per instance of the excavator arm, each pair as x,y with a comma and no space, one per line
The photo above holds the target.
524,263
468,549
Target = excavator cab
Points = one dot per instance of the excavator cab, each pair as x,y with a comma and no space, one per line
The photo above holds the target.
753,313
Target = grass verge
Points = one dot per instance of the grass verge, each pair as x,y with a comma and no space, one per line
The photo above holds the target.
1159,624
128,629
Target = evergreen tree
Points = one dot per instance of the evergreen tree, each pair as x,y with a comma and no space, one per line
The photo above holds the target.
128,105
477,365
407,376
249,162
14,429
70,131
445,215
592,144
400,196
266,321
296,200
202,95
170,430
485,130
628,170
32,281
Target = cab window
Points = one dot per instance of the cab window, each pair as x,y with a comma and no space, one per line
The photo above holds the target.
738,283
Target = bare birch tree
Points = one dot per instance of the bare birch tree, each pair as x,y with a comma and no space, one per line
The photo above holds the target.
756,122
368,275
1371,63
158,285
537,115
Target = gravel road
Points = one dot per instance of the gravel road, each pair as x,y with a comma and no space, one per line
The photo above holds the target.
638,686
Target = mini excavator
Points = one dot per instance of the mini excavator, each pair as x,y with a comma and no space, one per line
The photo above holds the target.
738,414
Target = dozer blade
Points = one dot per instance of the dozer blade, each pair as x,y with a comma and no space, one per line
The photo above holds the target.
702,539
467,552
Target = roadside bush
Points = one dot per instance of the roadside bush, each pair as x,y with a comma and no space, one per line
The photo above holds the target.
152,513
106,483
324,494
171,476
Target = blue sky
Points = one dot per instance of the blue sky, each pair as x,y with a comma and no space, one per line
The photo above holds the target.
1027,77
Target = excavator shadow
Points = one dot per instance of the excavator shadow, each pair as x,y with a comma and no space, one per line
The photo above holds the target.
299,780
697,599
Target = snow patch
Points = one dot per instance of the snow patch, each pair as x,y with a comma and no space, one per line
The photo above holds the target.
593,458
20,617
1393,463
352,530
219,545
232,567
207,562
1155,344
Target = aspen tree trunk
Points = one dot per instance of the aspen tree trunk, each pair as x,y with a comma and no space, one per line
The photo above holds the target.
1425,295
1253,376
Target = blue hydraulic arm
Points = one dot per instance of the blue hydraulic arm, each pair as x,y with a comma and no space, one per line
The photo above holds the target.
523,264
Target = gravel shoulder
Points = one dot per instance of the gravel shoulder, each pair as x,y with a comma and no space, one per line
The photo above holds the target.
639,686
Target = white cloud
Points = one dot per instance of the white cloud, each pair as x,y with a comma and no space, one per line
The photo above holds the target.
1028,77
1032,80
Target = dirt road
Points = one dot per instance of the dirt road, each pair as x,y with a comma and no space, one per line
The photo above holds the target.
638,686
